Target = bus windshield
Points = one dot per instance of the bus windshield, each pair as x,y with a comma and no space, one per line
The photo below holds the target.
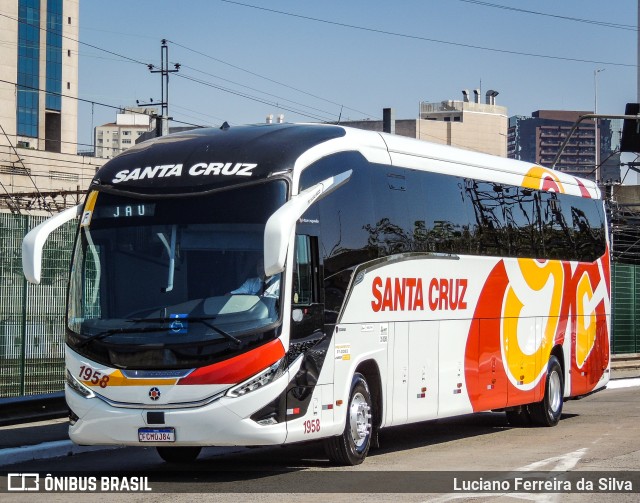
174,270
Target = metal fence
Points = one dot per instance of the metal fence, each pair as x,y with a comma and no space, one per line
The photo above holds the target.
625,283
32,316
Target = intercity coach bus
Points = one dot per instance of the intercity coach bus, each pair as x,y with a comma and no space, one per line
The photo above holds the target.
394,281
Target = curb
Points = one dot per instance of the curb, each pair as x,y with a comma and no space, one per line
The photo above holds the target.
47,450
62,448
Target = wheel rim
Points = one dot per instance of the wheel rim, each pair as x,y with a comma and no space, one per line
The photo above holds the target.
555,392
359,420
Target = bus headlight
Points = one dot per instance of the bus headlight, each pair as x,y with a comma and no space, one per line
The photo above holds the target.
78,387
265,377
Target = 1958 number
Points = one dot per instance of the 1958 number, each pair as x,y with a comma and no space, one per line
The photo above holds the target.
94,376
312,425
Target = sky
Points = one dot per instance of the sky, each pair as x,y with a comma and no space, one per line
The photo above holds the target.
335,59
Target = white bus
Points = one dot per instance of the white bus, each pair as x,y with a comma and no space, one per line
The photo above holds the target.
274,284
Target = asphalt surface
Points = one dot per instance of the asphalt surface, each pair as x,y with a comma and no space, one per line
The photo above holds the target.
49,439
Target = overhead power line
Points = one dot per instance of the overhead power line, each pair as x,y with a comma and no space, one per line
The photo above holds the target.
137,61
83,100
22,162
133,60
253,98
557,16
426,39
258,90
273,81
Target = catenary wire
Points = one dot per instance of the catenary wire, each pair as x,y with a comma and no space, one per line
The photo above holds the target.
426,39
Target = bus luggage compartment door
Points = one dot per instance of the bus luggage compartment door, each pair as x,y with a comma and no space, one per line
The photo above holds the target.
423,371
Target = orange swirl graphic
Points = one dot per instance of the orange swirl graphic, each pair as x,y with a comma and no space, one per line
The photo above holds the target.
541,178
586,321
525,365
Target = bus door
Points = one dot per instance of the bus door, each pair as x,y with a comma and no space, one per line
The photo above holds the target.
307,335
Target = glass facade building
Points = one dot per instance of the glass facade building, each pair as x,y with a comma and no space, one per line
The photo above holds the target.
54,55
30,80
28,67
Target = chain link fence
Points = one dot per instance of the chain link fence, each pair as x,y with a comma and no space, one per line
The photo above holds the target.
32,316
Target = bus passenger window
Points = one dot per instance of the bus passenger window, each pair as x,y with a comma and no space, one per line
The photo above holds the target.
303,272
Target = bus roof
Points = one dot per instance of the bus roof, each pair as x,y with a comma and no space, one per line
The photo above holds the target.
417,154
205,159
210,158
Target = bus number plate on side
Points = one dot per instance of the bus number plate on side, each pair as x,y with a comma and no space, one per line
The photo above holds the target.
157,435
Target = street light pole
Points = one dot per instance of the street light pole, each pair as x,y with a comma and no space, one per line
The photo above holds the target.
595,111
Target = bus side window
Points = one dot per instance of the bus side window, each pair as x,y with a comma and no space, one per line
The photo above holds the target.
303,272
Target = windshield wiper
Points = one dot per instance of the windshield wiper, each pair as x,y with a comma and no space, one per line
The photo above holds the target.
204,320
121,330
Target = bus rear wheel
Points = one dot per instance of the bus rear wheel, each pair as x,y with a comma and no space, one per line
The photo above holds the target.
548,411
352,446
178,454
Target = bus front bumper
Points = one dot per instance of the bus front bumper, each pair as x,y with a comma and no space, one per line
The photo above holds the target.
223,422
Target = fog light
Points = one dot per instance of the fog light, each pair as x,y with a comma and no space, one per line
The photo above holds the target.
268,421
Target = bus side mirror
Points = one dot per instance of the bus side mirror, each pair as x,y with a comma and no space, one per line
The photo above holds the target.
35,239
281,225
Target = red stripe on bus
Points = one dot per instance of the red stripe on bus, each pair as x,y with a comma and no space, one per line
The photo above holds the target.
238,368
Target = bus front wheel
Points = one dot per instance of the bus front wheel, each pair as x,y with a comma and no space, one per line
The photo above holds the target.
352,446
178,454
548,411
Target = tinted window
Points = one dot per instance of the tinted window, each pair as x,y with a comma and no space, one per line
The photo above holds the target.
489,233
586,218
345,215
556,227
522,215
446,210
392,231
385,210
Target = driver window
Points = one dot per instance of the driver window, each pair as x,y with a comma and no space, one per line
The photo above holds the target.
303,272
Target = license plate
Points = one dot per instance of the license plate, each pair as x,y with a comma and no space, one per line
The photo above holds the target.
157,434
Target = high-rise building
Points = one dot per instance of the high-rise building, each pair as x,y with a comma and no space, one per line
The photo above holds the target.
537,139
39,105
39,54
118,136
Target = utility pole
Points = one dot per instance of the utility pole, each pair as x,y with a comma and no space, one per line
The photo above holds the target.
164,72
597,122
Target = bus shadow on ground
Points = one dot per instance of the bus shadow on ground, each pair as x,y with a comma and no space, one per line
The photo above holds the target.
250,462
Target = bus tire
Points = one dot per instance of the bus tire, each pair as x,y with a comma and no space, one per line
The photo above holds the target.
548,411
352,446
178,454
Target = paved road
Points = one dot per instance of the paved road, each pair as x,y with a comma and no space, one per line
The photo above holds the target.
599,432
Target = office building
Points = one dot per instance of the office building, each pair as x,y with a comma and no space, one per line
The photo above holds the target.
118,136
466,123
537,139
39,107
